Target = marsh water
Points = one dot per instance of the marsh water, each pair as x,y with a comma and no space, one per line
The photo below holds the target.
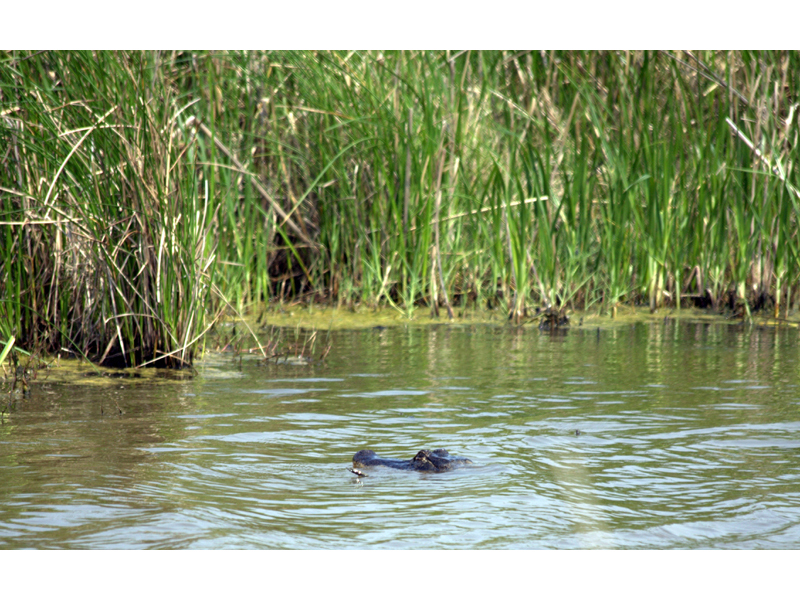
689,437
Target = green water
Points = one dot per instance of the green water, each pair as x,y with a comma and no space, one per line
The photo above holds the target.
690,438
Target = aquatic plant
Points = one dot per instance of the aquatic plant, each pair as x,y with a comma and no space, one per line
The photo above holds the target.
140,190
628,175
108,241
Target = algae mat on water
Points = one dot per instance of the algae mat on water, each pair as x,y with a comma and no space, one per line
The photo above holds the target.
325,318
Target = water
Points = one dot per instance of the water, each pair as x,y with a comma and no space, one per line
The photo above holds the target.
689,439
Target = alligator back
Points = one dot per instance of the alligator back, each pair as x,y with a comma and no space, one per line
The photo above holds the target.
425,460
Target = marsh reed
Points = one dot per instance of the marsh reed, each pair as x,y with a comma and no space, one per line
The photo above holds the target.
140,192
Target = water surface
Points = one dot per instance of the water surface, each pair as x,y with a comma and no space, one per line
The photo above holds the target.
689,438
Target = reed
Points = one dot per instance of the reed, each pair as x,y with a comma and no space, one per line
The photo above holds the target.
134,185
108,244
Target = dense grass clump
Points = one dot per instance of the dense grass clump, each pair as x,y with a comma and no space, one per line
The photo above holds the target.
139,191
107,229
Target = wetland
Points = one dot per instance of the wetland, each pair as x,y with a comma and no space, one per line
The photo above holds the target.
663,434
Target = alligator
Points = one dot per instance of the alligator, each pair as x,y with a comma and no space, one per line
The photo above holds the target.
426,460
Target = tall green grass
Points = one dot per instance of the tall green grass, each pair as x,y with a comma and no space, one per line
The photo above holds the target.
108,242
136,184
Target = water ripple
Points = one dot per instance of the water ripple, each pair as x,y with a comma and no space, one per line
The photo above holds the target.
646,447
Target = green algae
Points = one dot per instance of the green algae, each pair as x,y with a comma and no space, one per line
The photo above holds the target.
324,318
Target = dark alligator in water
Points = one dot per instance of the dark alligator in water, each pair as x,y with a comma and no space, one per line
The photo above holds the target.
425,460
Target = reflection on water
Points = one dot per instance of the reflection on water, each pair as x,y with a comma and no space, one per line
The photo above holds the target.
688,437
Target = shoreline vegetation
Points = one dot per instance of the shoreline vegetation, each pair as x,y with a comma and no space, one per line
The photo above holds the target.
144,196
